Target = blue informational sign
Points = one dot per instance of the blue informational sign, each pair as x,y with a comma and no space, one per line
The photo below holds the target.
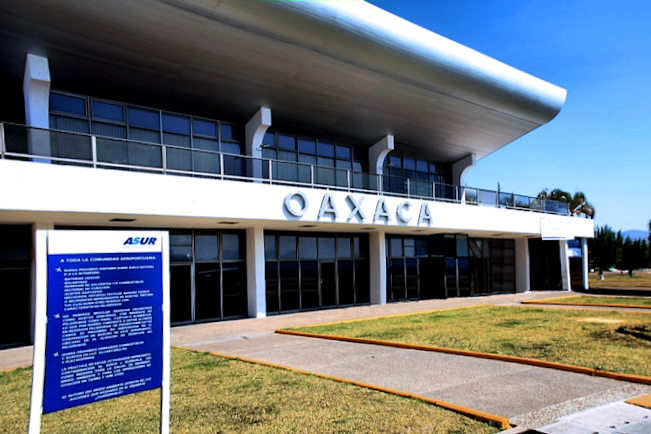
104,320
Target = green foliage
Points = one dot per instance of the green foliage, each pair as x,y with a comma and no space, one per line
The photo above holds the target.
608,249
635,255
578,204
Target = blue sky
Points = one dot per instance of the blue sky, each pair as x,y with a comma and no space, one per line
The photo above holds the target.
600,51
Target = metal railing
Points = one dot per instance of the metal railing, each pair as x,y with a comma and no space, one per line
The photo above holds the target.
19,142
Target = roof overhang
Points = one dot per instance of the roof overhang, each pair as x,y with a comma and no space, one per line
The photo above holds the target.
345,70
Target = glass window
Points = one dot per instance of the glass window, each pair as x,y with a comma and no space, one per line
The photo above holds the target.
360,154
287,247
395,161
326,149
421,247
343,164
433,168
286,142
227,132
67,104
287,156
410,245
327,162
421,166
343,247
326,248
269,139
307,247
343,152
270,247
206,247
111,112
462,245
409,164
231,148
144,118
269,153
396,247
232,246
307,159
306,146
357,166
361,247
205,128
176,124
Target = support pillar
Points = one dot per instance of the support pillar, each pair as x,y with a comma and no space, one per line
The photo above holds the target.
459,170
584,264
566,278
378,152
522,264
255,280
38,248
36,91
254,132
378,259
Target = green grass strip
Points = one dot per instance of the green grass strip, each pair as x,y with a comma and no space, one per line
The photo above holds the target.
217,395
585,300
602,340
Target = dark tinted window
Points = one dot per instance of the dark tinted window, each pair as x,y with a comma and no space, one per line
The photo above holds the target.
326,150
306,146
144,118
111,112
232,246
67,104
205,128
176,124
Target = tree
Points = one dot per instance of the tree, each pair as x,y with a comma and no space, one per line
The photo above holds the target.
577,204
604,248
634,255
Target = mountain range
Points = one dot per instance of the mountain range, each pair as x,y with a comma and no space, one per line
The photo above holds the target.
636,234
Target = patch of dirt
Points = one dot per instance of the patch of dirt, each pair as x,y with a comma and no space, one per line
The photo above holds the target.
601,320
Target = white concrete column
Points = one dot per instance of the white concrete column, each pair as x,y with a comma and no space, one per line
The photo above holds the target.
378,152
566,278
255,280
37,250
36,91
459,170
584,263
378,266
254,132
522,276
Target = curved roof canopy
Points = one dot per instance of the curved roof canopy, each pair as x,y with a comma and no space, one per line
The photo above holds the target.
346,70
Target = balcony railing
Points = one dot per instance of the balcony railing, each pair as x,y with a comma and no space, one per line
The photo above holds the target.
19,142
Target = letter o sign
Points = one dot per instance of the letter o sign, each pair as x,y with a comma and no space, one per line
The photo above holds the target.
298,197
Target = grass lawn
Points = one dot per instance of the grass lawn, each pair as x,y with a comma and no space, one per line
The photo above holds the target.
623,301
216,395
609,341
642,280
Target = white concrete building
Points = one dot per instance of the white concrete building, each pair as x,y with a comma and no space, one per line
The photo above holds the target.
303,155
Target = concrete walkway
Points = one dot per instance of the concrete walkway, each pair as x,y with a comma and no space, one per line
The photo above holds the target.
529,396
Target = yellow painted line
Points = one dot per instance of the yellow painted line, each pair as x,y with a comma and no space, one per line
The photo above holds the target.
500,421
559,303
641,401
513,359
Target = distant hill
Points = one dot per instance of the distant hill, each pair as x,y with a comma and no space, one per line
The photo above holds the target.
636,235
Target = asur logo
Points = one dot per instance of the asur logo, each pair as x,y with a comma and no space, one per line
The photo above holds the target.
144,241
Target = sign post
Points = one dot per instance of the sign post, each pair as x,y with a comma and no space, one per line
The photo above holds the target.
102,319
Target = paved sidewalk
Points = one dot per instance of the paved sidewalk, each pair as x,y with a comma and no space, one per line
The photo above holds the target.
529,396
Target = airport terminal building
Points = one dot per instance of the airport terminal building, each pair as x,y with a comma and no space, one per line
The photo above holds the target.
302,155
